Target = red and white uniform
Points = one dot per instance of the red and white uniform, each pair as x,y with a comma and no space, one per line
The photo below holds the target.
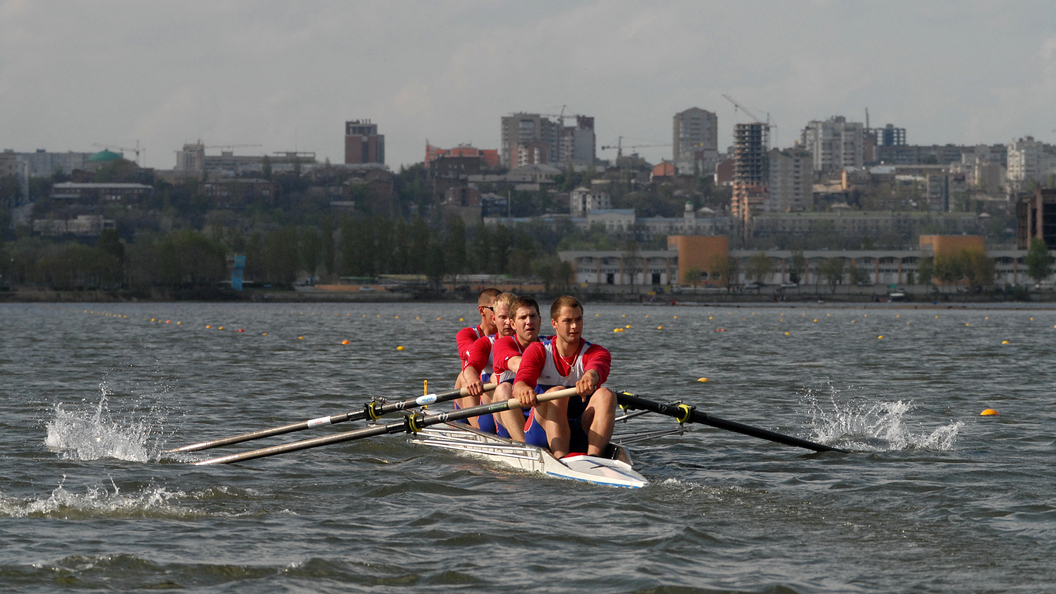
480,355
542,365
465,339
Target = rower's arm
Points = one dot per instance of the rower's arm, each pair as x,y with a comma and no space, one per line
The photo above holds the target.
513,363
471,381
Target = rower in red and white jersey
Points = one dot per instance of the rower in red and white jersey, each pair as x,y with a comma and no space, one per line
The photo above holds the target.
477,369
506,354
467,336
580,425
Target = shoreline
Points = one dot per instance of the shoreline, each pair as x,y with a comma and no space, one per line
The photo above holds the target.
1039,300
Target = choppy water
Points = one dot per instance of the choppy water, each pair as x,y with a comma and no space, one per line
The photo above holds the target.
935,499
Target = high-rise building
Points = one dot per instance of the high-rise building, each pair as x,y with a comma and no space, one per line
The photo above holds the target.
695,131
577,144
1029,160
835,143
790,181
750,171
363,144
528,138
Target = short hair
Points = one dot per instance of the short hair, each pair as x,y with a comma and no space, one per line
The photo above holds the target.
524,302
487,296
564,301
506,299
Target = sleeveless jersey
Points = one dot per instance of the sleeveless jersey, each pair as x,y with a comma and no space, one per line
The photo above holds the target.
550,375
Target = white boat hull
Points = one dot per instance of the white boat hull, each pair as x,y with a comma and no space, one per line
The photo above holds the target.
616,472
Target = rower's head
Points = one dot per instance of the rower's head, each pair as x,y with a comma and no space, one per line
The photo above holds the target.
502,308
566,316
526,319
487,316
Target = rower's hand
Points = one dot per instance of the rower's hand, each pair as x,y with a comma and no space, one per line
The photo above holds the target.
471,382
525,395
587,384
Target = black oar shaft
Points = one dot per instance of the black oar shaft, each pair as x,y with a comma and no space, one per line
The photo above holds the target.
689,414
408,424
370,410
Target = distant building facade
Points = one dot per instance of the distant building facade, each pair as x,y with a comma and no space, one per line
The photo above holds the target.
1029,161
488,157
363,144
584,200
835,144
790,180
750,171
695,141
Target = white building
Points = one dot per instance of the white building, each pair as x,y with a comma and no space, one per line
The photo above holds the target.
791,181
835,143
1029,160
583,200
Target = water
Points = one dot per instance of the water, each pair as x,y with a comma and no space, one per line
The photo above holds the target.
934,499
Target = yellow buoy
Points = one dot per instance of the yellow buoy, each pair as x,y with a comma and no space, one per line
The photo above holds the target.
300,338
461,319
220,328
786,333
264,334
659,327
988,413
628,325
703,379
400,348
881,337
1004,342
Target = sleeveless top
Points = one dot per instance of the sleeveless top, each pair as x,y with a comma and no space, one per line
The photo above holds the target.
551,377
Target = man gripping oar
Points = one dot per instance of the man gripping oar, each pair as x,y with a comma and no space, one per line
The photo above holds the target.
477,366
467,336
584,424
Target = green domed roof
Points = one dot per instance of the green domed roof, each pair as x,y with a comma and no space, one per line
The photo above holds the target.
105,155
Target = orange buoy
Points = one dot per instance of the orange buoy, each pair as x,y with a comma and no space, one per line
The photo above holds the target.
988,413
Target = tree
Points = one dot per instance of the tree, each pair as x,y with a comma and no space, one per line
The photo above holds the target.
926,270
455,245
555,274
979,268
1039,264
797,267
832,271
759,267
329,247
692,277
632,261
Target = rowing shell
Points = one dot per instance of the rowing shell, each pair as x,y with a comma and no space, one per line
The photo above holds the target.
614,471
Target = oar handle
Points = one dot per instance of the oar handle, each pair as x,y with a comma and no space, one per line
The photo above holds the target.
413,423
371,410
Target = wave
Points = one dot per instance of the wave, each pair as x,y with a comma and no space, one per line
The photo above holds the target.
94,433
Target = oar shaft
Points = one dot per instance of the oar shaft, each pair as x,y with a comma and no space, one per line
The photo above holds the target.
403,426
695,416
358,415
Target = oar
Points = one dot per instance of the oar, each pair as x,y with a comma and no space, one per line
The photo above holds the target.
371,410
410,424
689,414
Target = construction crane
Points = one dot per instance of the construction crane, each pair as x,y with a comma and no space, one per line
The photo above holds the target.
619,146
137,150
767,123
561,117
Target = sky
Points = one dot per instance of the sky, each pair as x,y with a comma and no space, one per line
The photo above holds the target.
287,75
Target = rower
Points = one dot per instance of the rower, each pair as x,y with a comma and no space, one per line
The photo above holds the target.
467,336
506,359
581,425
477,368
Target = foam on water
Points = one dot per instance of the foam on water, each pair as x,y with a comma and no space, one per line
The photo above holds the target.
873,426
93,433
97,500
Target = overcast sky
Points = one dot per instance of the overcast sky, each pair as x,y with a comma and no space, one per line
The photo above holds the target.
287,75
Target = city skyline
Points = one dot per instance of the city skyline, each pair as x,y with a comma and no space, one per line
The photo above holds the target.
288,77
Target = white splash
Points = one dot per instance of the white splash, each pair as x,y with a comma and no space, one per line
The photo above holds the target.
94,502
93,434
874,426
